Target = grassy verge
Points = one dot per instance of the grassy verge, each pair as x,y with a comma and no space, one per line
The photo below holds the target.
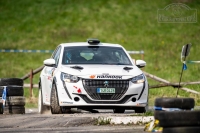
31,102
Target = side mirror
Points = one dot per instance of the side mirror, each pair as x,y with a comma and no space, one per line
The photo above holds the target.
50,62
185,51
140,63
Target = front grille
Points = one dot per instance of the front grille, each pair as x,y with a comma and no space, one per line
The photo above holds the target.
122,101
91,85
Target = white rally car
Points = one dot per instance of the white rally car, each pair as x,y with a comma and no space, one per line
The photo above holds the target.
92,75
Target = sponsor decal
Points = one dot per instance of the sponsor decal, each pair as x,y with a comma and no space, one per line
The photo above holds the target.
138,104
50,85
50,78
77,89
51,71
92,76
109,77
66,102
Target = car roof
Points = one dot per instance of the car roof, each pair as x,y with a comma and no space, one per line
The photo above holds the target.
87,44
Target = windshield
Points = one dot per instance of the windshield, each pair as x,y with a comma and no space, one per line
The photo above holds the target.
95,55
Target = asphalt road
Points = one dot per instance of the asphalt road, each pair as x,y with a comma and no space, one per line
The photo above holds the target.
83,122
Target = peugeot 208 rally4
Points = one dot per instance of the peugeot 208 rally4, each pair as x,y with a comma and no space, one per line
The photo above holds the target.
92,75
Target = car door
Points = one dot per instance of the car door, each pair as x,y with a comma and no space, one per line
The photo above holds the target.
48,76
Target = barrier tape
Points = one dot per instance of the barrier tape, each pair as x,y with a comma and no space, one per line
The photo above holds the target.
25,51
49,51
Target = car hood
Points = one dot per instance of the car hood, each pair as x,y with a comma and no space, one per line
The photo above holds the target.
102,71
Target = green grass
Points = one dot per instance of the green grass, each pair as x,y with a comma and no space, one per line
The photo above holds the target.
43,24
31,102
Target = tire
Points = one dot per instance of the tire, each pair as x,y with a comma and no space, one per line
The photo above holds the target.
41,108
140,110
1,108
13,90
119,110
11,81
192,129
182,103
14,110
15,100
177,118
66,110
55,108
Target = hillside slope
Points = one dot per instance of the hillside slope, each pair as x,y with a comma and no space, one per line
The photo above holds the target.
43,24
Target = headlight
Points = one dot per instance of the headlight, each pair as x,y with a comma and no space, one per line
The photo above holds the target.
138,79
69,78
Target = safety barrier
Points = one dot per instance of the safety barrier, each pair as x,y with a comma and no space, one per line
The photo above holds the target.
25,51
49,51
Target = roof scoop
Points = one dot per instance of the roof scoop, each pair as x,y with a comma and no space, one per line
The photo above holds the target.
127,68
93,41
77,67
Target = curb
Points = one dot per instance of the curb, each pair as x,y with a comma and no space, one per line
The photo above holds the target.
126,120
109,118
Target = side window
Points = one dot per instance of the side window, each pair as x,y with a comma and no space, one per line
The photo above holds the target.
56,55
54,52
121,57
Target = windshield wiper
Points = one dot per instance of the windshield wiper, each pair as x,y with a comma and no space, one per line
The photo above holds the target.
121,64
127,68
113,63
77,67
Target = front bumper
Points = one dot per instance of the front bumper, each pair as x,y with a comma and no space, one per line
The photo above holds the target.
80,95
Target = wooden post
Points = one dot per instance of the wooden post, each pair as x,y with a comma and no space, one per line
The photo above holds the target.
142,56
31,83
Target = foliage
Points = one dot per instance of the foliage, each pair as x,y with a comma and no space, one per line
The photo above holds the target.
103,121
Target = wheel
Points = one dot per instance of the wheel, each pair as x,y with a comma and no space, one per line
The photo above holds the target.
140,110
11,81
182,103
15,100
41,108
178,118
55,108
119,110
14,110
13,90
191,129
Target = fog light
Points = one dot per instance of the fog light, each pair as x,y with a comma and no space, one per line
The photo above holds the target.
76,99
133,99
